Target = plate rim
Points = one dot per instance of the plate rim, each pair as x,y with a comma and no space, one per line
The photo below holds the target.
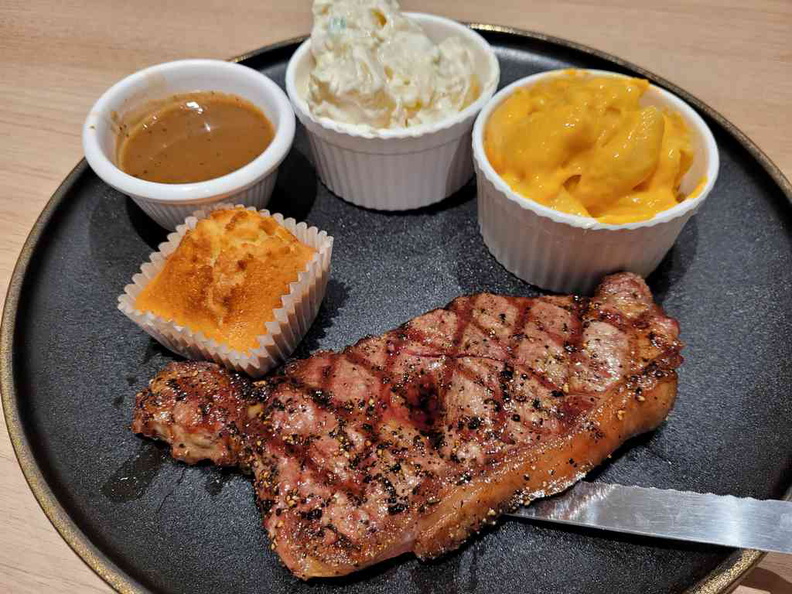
721,580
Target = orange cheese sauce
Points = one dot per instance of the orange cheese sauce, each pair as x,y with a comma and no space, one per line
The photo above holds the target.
583,145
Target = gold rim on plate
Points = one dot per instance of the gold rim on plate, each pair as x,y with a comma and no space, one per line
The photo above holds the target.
721,580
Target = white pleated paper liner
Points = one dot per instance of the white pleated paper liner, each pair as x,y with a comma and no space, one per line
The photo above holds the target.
282,335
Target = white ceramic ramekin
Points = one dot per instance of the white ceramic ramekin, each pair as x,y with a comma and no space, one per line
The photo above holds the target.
170,204
395,169
281,336
568,253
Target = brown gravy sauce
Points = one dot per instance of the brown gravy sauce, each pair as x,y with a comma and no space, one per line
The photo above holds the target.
192,137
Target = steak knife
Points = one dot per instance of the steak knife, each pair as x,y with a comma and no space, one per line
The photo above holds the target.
765,525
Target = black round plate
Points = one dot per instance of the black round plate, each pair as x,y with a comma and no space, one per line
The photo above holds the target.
72,364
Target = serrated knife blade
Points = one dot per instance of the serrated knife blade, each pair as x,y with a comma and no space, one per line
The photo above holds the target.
745,523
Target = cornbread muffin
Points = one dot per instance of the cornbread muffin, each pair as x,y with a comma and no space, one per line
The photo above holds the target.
227,277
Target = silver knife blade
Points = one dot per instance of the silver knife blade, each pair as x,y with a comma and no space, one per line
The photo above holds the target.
679,515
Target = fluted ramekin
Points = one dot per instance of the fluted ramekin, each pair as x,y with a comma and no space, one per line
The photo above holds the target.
569,253
170,204
401,168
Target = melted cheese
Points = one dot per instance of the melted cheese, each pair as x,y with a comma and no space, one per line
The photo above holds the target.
584,145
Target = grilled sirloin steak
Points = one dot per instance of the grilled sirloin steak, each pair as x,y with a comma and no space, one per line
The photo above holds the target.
411,440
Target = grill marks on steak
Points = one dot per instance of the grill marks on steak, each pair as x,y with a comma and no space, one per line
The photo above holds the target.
411,440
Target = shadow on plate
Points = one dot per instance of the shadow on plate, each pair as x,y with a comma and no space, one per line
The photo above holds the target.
461,196
422,573
145,227
218,477
120,237
155,349
676,262
296,188
133,478
631,446
335,298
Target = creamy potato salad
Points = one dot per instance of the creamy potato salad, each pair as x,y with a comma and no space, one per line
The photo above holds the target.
376,68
